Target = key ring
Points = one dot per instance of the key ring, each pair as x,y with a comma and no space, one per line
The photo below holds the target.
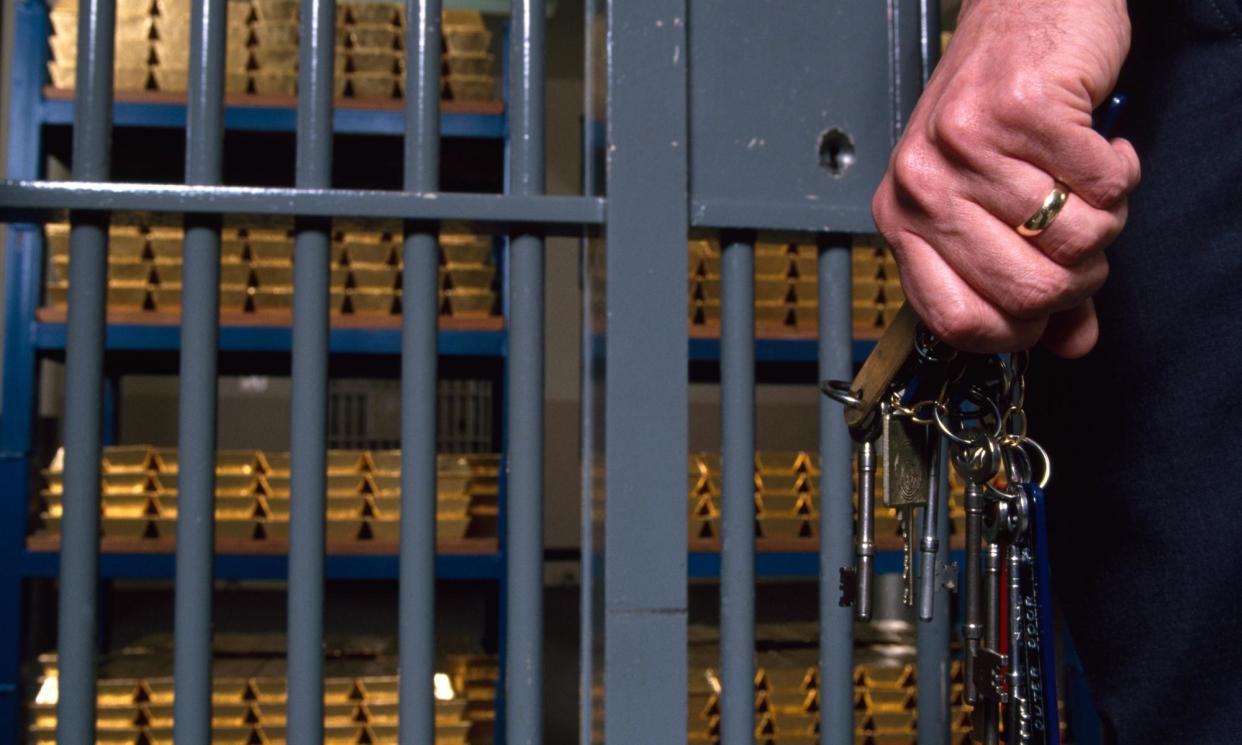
940,410
1046,475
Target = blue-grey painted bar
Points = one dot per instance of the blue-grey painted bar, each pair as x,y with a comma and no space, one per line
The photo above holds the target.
196,418
933,636
88,251
524,397
737,508
309,375
417,574
567,214
646,375
836,516
587,586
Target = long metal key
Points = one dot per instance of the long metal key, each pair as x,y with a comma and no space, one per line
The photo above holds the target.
977,464
904,460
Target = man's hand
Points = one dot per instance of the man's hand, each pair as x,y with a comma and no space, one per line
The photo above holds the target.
1006,115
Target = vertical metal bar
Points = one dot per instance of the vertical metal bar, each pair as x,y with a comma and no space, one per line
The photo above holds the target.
310,379
23,268
524,398
836,518
737,518
84,351
933,636
421,274
586,399
196,478
646,375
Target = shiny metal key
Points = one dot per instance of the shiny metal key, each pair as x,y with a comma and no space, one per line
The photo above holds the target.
904,461
977,463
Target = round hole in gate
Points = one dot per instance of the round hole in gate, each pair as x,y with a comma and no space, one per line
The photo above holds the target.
836,151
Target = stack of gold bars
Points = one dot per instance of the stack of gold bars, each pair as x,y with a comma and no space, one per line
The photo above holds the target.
787,287
469,68
256,268
139,494
786,497
787,697
152,49
251,710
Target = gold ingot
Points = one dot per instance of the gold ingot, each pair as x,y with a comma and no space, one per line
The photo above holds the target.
777,461
271,249
236,461
236,484
273,463
232,250
126,459
275,59
374,62
368,85
372,13
471,87
467,250
233,298
782,483
131,506
386,484
386,462
266,83
782,526
470,303
57,237
374,278
470,63
472,278
769,248
272,299
884,676
771,313
274,33
367,254
277,10
466,38
229,508
778,504
342,462
273,276
772,265
373,36
127,527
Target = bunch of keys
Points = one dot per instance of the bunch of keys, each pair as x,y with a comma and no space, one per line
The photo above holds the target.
911,393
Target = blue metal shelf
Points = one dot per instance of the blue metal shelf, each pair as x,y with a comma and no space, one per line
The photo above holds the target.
45,564
380,341
281,119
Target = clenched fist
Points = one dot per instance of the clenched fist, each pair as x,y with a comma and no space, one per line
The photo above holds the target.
1005,117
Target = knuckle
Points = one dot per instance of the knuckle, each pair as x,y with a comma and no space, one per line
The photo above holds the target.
957,126
1110,186
1020,101
915,176
955,324
1035,296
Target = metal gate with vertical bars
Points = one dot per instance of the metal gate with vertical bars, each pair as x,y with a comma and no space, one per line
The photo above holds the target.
721,116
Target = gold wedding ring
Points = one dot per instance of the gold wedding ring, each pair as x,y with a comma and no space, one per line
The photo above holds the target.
1047,212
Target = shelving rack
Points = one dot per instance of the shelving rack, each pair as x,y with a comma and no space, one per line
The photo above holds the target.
33,333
